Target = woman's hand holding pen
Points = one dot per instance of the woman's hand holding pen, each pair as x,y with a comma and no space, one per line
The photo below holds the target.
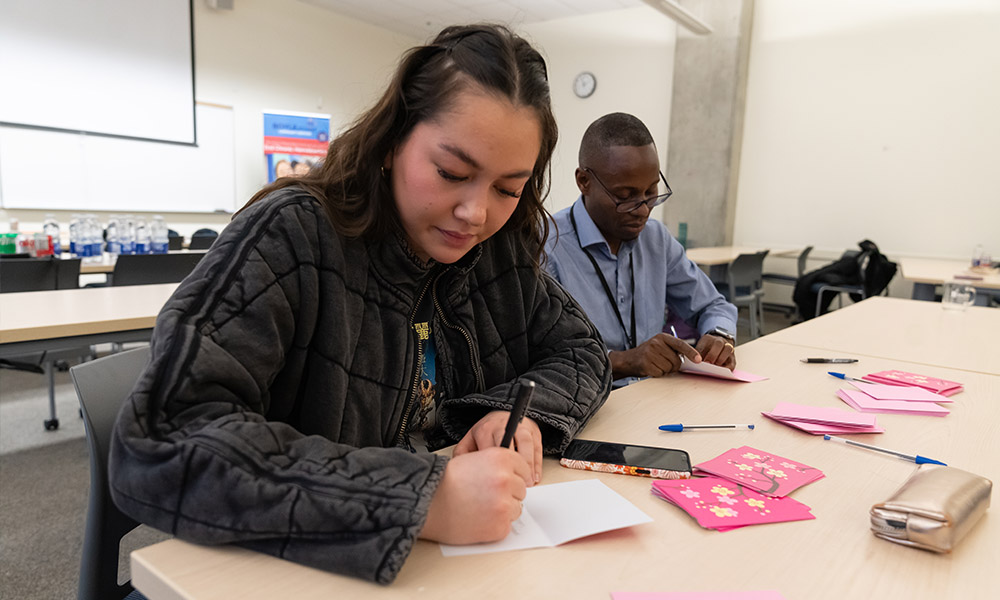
488,433
478,498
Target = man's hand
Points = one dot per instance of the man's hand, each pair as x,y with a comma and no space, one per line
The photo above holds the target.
659,355
488,433
717,351
478,498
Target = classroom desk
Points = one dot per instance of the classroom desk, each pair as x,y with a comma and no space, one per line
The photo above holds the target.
35,321
918,332
927,273
66,320
718,258
832,557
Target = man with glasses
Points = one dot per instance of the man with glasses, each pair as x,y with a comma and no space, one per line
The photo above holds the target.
626,271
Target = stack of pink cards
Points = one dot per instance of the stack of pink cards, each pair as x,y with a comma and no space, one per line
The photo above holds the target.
720,504
932,384
765,472
822,421
881,398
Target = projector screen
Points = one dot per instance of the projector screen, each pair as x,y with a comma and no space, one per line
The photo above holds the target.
121,68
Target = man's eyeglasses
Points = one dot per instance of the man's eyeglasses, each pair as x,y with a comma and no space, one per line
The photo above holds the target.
634,201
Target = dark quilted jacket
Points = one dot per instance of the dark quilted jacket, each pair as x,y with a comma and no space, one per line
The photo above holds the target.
281,369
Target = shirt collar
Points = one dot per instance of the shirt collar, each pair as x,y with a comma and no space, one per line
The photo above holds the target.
590,235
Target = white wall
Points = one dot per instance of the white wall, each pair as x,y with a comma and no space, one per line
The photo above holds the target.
631,52
294,56
272,55
873,119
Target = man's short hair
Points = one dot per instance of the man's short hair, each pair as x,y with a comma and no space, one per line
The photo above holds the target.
615,129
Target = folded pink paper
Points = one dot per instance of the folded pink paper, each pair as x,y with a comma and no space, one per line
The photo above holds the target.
822,415
933,384
765,472
865,403
881,391
818,429
704,368
717,503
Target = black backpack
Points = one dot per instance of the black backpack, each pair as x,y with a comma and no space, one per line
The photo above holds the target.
869,269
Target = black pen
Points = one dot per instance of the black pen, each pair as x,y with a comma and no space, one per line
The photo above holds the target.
517,413
829,360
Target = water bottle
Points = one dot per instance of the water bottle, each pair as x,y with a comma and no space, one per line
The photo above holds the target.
158,235
96,240
126,234
141,236
51,229
74,235
114,243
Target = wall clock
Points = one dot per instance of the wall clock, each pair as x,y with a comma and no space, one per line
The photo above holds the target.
584,84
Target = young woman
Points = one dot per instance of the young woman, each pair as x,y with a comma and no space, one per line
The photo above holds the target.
386,304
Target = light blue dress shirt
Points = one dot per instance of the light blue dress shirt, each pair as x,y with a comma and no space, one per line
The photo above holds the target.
664,277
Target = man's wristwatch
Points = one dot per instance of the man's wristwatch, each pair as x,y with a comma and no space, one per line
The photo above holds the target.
724,334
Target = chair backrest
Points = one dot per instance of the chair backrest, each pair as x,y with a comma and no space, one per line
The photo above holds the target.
145,269
29,274
203,239
69,274
175,242
746,272
803,257
102,386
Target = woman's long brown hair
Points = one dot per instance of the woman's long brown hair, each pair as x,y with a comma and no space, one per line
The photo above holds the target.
350,183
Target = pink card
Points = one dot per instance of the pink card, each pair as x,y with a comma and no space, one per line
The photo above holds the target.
765,472
819,429
748,595
881,391
822,415
933,384
865,403
717,503
704,368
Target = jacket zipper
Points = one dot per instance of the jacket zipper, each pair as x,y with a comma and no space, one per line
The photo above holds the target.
476,367
401,434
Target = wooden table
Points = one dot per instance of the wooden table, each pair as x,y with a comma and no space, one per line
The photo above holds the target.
718,258
918,332
60,319
926,273
834,556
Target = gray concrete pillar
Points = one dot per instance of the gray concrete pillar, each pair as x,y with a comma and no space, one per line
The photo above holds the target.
706,121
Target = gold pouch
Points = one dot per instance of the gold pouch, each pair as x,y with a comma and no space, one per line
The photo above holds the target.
934,509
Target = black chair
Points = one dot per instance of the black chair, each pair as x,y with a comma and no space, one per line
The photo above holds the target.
203,239
175,241
146,269
783,279
102,386
36,275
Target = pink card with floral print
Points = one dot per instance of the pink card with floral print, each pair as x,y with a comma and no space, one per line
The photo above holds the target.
765,472
720,504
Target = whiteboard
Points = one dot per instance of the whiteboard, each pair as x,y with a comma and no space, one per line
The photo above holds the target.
49,170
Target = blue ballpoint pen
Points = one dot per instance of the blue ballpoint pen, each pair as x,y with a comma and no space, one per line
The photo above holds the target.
920,460
681,427
848,377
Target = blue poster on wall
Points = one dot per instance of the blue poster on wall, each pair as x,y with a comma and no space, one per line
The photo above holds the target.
294,142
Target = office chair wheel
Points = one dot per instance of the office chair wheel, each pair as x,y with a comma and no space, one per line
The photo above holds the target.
51,424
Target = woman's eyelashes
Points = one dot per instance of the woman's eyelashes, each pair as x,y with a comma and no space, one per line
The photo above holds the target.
451,177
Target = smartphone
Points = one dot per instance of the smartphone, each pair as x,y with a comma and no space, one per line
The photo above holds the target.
627,459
